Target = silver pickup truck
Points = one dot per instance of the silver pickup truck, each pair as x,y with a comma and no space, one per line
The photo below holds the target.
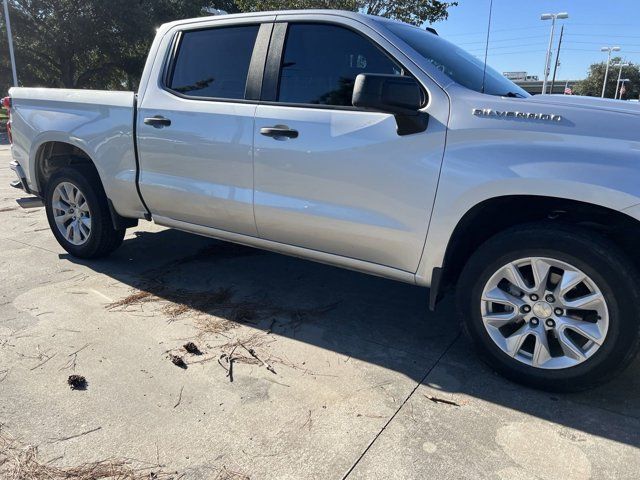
372,145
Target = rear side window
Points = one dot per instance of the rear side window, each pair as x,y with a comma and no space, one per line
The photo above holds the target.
321,62
214,62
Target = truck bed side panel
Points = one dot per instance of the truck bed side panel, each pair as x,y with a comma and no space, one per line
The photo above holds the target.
100,123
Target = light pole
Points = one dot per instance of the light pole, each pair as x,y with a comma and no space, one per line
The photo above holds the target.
619,75
606,72
547,66
13,58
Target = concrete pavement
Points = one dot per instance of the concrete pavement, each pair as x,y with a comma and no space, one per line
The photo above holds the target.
335,374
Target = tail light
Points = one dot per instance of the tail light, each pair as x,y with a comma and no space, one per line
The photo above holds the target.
6,104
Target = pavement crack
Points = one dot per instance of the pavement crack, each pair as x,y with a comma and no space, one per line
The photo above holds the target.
384,427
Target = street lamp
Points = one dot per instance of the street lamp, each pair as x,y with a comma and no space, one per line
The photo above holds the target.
619,75
547,66
606,72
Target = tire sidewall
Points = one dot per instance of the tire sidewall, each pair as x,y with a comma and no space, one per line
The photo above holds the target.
595,259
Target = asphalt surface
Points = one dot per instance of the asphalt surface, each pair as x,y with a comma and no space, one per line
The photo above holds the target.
333,374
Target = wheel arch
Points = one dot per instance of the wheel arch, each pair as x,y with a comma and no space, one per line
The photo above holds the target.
54,155
496,214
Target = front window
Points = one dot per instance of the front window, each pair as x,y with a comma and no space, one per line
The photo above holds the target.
460,66
321,62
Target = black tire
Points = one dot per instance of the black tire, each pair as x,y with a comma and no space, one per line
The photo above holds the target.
103,238
594,255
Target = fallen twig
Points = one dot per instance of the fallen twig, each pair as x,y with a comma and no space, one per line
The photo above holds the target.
179,397
254,355
58,440
442,400
42,363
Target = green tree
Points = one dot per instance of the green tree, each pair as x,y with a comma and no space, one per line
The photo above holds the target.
592,85
88,43
415,12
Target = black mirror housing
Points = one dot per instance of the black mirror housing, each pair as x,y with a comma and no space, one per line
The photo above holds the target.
399,95
388,93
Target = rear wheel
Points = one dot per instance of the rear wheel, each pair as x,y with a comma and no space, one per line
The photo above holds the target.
553,307
78,213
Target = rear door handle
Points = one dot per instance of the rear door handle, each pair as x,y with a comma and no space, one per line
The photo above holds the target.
157,121
279,132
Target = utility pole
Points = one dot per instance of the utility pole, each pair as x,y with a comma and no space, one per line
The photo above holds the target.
11,55
555,68
606,72
547,66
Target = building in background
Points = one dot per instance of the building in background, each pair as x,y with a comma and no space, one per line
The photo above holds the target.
531,84
520,77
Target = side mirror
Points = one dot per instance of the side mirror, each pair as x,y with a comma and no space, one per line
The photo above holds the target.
400,95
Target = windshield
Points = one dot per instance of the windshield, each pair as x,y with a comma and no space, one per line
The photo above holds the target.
458,65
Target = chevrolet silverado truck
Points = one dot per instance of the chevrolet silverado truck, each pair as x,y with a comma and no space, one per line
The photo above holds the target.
372,145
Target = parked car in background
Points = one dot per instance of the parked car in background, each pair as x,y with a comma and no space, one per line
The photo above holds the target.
372,145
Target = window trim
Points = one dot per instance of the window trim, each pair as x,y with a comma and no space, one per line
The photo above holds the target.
256,62
276,54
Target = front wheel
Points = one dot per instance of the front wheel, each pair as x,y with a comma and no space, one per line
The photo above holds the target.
553,307
78,213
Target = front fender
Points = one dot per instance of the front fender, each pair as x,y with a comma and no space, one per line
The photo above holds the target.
588,158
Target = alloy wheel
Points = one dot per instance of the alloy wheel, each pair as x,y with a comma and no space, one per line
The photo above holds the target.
71,213
544,312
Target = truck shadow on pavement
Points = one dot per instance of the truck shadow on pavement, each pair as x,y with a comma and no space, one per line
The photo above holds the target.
370,319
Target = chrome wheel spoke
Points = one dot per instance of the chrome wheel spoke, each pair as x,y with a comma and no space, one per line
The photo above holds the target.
540,268
541,351
570,279
569,347
69,232
68,191
588,330
500,319
497,295
513,275
513,343
63,217
587,302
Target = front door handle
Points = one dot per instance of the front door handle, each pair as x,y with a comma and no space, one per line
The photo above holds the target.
157,121
279,132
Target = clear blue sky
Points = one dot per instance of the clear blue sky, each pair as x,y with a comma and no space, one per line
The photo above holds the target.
519,38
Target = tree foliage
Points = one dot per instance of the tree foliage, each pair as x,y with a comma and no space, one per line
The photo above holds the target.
592,85
415,12
103,44
88,43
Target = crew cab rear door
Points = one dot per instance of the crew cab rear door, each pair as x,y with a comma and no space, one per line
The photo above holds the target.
195,124
341,180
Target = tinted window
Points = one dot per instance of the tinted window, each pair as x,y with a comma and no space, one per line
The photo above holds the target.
215,62
320,64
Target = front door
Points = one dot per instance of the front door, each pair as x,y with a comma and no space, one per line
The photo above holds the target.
333,178
195,131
